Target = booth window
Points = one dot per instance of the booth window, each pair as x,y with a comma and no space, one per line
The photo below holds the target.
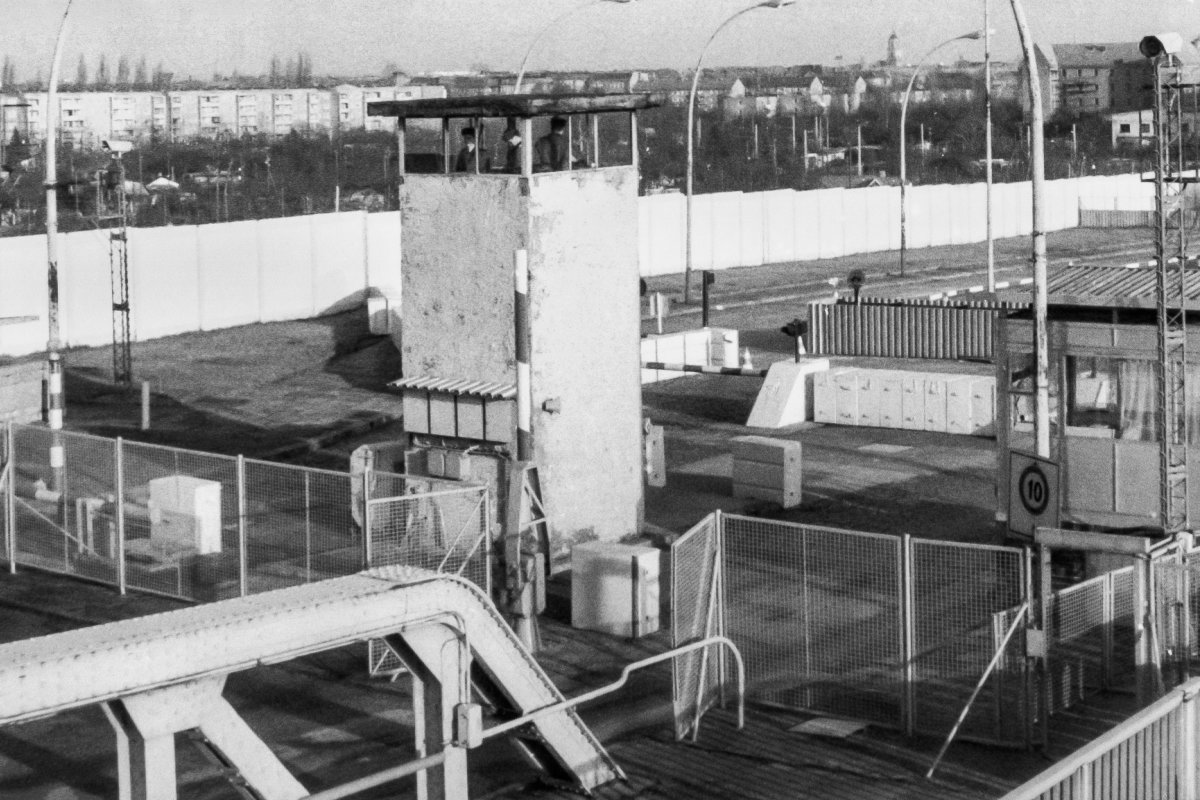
1021,391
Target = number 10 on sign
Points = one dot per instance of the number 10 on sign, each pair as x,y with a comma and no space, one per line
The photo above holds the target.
1033,496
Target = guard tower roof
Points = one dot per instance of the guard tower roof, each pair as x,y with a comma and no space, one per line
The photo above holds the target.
513,105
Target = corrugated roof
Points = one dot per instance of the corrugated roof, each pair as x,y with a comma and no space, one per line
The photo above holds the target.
457,386
1115,287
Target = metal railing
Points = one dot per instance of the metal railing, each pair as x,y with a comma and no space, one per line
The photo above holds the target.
1153,754
202,526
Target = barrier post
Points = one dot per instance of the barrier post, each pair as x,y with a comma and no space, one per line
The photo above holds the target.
243,578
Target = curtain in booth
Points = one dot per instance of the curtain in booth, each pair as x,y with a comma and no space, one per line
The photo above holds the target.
1139,400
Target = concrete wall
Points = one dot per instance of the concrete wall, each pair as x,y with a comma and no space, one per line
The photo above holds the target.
190,278
586,349
460,232
581,232
735,229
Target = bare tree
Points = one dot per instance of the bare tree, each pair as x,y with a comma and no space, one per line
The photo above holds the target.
140,79
102,78
81,74
123,73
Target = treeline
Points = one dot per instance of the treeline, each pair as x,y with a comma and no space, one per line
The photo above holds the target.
127,75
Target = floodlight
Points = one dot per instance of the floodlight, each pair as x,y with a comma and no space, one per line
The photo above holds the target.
1161,44
116,146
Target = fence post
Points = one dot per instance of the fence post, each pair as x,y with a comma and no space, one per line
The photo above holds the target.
119,485
307,528
243,578
908,642
366,516
1185,748
10,499
1108,622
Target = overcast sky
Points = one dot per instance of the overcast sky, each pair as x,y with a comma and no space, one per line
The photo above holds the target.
200,37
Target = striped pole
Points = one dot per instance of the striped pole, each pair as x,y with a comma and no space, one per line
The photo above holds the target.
521,325
703,368
54,378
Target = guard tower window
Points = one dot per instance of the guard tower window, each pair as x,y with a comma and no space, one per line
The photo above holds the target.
1093,395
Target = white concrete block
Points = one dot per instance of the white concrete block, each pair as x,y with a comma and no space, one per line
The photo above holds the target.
185,513
783,398
614,588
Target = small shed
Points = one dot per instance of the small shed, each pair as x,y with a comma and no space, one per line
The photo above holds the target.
1104,401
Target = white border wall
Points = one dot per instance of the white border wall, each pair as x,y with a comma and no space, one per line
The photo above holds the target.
190,278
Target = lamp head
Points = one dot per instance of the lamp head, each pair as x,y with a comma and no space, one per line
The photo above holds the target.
116,146
776,3
973,35
1161,44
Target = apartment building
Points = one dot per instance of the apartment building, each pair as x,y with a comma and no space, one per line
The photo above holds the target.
88,118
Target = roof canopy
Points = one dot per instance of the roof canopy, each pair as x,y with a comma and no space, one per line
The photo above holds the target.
513,105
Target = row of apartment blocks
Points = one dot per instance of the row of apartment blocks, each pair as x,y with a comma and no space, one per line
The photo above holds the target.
87,118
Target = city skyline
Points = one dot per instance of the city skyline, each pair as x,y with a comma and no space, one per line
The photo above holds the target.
361,37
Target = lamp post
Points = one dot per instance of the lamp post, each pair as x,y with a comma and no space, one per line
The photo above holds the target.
987,104
54,394
903,145
551,24
1037,156
691,124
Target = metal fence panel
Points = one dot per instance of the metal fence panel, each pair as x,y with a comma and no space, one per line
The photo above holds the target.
695,614
817,615
957,591
299,526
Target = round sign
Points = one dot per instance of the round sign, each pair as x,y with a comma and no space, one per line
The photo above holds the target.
1034,489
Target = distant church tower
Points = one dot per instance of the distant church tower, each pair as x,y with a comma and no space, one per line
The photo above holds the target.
893,52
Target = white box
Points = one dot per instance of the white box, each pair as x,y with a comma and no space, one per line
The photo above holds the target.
891,402
935,402
958,406
913,403
767,469
868,398
185,512
825,396
783,398
845,386
604,576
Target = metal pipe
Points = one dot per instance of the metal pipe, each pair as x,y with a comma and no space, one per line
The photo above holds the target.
379,778
564,705
978,687
549,25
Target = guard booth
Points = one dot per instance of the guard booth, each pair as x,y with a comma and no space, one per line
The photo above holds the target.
1104,402
467,226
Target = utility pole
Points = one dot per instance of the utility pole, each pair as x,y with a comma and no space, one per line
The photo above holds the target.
987,102
860,164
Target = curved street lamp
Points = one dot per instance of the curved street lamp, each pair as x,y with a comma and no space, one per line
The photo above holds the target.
549,25
691,158
903,145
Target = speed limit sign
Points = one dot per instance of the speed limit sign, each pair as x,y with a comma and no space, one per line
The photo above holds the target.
1032,493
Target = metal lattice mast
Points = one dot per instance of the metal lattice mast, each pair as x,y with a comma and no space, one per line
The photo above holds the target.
1171,253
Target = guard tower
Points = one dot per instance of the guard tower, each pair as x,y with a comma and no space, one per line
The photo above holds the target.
520,312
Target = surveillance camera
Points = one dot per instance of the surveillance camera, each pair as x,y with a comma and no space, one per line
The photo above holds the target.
1168,44
117,146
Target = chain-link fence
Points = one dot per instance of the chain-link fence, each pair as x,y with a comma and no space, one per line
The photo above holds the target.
202,527
423,525
889,629
696,590
957,589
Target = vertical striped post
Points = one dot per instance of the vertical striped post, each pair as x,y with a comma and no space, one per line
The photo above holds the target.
521,325
54,416
10,500
119,508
